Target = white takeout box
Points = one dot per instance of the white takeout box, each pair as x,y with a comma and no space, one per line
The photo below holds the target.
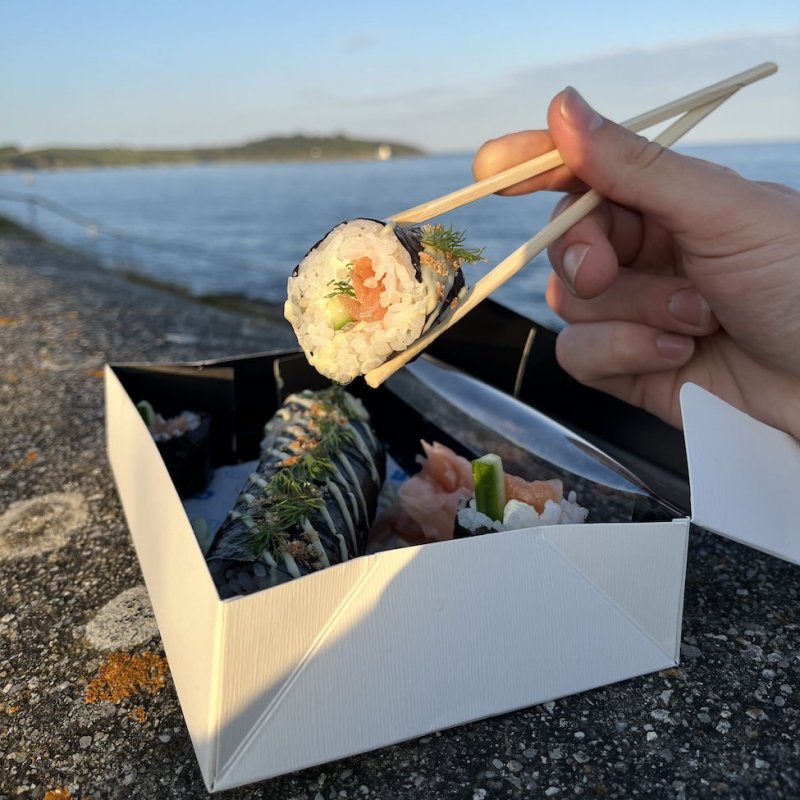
391,646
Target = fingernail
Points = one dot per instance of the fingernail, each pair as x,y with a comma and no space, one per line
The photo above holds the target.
688,306
673,346
571,262
578,112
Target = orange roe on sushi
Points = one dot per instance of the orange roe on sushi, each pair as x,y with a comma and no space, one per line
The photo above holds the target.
366,305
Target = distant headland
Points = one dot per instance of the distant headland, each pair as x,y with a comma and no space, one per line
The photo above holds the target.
276,148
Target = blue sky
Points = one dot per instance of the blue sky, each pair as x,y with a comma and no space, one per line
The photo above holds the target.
445,75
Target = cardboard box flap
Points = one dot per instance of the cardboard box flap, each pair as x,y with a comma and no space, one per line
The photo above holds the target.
743,474
416,640
178,581
646,590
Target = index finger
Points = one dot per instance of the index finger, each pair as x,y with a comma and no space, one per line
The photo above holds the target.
500,154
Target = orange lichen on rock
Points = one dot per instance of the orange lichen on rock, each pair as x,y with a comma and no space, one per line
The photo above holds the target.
138,713
124,674
62,793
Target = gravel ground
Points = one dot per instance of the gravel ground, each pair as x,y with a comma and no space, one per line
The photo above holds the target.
73,608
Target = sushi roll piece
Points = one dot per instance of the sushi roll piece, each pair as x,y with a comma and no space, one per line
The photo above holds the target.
311,501
451,497
505,502
369,289
184,445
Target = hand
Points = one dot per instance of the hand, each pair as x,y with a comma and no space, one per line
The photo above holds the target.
686,273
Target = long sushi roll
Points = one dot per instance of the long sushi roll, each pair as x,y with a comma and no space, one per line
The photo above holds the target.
369,289
311,501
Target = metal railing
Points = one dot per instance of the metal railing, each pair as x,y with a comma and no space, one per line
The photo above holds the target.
95,228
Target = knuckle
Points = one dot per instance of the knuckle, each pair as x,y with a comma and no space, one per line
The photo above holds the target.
642,153
620,349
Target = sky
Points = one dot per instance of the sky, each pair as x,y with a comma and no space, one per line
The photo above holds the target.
442,75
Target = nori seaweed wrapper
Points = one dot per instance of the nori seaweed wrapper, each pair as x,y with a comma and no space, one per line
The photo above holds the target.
311,501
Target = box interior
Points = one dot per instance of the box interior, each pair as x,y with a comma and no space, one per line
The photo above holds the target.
429,400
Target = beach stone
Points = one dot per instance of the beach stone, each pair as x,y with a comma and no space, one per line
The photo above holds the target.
41,524
124,622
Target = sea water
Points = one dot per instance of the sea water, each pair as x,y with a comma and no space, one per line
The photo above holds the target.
240,228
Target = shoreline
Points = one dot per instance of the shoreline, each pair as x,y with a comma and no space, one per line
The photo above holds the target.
206,163
236,303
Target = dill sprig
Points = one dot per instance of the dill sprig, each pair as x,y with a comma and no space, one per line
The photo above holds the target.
341,287
290,500
451,243
295,491
333,433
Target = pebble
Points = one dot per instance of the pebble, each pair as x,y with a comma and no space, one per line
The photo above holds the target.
552,791
84,742
780,701
180,338
124,622
514,765
690,651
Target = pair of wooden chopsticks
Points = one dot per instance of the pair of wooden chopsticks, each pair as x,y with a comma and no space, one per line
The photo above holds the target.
694,107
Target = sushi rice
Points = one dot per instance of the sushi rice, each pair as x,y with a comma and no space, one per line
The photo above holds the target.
517,515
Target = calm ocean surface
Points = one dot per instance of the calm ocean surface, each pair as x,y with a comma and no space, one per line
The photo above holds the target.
240,229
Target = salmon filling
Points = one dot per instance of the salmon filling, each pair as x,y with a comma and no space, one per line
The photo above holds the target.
366,305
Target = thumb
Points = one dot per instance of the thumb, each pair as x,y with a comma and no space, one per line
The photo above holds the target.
683,194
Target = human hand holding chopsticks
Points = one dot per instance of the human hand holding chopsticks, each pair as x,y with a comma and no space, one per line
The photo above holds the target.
686,272
694,108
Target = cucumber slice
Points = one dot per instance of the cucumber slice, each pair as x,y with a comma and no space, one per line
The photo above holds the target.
337,315
489,484
148,413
